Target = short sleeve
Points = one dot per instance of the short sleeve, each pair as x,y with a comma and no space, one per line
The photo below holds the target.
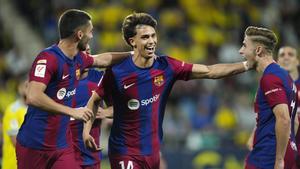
104,87
43,68
273,89
87,60
94,75
182,70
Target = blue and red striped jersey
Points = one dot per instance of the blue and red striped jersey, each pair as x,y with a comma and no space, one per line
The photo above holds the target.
41,129
297,82
139,97
83,92
275,87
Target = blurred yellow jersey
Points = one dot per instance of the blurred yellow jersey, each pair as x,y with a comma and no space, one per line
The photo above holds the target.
12,120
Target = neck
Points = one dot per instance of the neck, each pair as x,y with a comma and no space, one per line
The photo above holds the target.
68,47
264,62
141,61
294,74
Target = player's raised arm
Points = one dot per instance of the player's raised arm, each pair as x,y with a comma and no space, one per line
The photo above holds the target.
282,129
109,58
88,140
217,71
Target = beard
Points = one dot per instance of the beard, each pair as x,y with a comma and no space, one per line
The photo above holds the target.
82,44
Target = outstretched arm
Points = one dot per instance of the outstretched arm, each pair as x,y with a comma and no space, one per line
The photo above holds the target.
109,58
217,71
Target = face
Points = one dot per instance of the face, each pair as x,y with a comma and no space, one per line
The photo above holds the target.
287,58
248,50
144,41
85,35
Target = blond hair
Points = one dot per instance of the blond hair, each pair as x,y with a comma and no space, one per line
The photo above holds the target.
263,36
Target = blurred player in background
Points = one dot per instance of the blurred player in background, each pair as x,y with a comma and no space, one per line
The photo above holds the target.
275,101
87,84
140,86
44,140
12,120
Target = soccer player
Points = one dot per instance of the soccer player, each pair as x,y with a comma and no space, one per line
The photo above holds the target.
139,87
287,58
12,120
86,158
275,101
44,139
87,84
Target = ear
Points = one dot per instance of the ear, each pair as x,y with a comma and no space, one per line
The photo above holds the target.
79,34
132,42
258,50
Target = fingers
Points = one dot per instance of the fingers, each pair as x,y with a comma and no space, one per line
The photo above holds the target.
89,113
91,144
84,114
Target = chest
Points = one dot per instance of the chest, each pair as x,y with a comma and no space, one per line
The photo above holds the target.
143,84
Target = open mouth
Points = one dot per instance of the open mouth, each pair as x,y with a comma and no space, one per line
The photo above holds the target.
150,49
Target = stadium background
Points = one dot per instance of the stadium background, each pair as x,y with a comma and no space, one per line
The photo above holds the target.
207,122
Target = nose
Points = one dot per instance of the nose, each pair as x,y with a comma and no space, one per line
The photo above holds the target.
151,40
240,51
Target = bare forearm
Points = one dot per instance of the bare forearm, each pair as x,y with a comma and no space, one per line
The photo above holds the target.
216,71
282,128
92,104
108,59
222,70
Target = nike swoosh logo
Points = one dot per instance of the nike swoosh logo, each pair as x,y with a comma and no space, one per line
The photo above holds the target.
65,76
127,86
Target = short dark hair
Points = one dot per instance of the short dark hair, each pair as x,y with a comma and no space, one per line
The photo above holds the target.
263,36
70,20
132,20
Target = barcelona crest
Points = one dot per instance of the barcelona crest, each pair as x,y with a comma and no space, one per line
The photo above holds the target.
159,80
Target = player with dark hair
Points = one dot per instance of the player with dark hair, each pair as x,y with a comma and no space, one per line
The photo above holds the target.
87,84
44,140
275,102
139,87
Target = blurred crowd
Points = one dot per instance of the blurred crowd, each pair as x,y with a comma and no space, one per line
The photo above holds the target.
200,115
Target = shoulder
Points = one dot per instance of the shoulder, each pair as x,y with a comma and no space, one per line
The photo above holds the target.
95,74
163,59
45,56
126,65
274,71
82,55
